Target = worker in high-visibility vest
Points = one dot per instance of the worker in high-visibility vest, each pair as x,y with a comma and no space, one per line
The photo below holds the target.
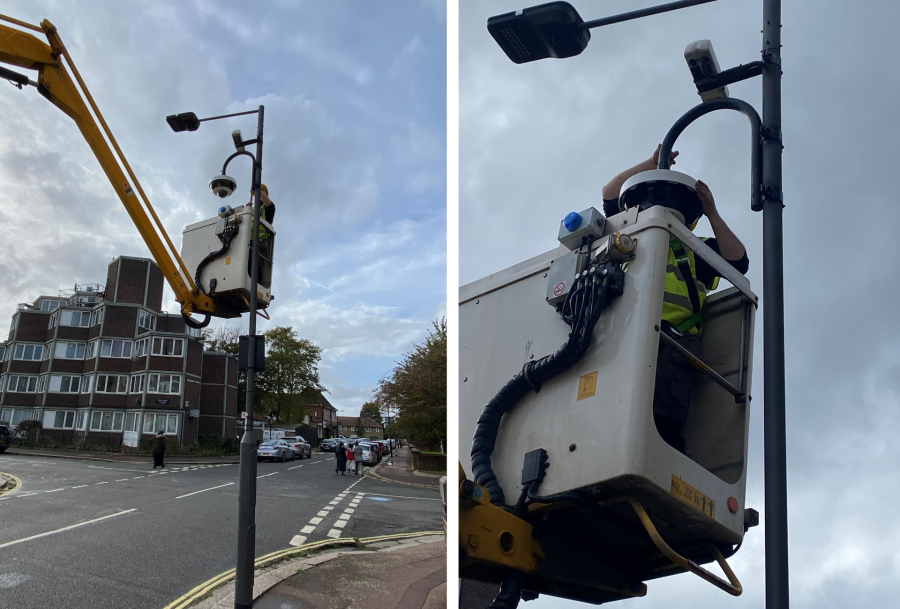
267,213
688,280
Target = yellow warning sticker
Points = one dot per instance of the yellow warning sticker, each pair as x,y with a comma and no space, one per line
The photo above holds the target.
228,260
689,494
587,386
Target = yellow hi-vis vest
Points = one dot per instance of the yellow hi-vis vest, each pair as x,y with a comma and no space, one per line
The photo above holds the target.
677,308
263,231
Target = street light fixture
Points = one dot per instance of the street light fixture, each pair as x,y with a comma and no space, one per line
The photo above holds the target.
246,541
557,30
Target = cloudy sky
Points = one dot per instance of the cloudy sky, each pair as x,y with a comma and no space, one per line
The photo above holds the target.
355,97
539,140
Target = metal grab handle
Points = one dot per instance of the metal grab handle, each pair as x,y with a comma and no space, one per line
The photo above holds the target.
740,396
732,586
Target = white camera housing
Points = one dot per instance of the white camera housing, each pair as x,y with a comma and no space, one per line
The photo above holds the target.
696,54
222,186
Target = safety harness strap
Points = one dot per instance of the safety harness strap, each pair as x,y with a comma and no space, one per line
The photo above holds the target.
684,266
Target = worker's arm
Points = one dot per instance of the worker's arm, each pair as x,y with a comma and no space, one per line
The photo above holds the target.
611,190
730,247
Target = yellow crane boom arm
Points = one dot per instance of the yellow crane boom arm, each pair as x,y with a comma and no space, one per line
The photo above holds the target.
25,50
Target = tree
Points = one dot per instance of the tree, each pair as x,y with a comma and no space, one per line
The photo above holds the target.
417,388
224,338
291,371
373,411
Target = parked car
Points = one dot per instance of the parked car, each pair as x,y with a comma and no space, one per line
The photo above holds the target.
5,438
370,454
301,447
275,449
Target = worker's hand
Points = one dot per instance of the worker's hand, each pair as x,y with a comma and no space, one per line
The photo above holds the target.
654,159
707,200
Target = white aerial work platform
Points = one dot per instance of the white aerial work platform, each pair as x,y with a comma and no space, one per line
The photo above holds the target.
596,420
230,271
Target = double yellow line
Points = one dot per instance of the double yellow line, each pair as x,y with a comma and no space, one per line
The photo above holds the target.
209,585
18,485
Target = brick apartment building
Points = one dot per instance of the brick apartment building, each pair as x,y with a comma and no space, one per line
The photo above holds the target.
110,367
347,426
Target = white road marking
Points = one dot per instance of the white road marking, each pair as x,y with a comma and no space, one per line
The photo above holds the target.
118,469
404,497
122,480
55,490
24,494
80,486
340,524
349,511
333,533
99,483
315,520
139,477
308,529
323,513
204,490
344,517
68,528
298,540
266,475
295,467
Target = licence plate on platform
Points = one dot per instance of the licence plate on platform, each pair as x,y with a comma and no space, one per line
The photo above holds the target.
689,494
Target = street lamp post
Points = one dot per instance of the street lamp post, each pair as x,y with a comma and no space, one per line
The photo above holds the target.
246,539
556,30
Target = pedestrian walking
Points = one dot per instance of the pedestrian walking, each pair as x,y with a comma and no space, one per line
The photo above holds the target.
358,453
341,456
159,450
351,459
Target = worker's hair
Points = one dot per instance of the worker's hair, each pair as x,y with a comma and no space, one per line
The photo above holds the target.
264,187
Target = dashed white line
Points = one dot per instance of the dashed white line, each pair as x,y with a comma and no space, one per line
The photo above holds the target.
74,526
307,529
99,483
55,490
266,475
315,520
295,467
340,524
122,480
298,540
334,534
344,517
323,513
204,490
80,486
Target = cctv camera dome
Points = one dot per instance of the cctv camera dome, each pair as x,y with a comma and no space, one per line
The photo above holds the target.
671,189
222,186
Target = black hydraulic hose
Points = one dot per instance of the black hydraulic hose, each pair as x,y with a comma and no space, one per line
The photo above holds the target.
510,592
197,325
226,237
590,294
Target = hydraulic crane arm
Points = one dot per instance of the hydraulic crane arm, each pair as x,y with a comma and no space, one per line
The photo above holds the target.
25,50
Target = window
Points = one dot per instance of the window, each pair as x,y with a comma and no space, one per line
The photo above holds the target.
168,346
70,350
42,382
146,320
107,421
112,383
141,347
49,305
52,323
367,429
167,423
115,348
96,317
91,349
81,420
23,415
64,383
22,384
137,384
60,419
195,332
2,353
131,421
164,383
86,383
2,383
28,352
75,318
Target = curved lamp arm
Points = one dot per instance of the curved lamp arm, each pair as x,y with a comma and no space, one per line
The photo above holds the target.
744,108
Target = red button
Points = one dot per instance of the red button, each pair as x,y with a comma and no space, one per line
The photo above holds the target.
732,505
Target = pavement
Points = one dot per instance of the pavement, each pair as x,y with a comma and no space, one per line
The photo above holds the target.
393,574
398,470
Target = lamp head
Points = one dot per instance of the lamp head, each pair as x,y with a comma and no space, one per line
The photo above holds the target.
547,30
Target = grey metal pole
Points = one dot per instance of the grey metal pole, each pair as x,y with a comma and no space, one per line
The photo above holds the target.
246,541
775,437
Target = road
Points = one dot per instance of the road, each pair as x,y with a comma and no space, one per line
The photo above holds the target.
108,535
